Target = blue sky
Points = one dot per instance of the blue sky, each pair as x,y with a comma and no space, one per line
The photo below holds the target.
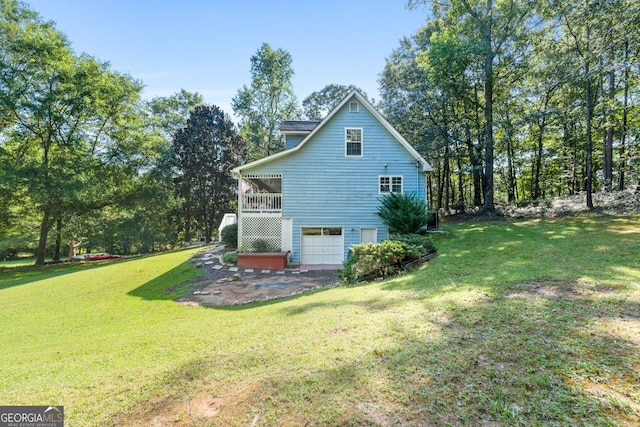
206,46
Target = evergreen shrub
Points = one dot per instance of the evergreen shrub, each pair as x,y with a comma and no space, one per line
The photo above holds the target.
404,213
229,236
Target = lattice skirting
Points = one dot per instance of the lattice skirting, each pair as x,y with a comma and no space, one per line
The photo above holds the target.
267,228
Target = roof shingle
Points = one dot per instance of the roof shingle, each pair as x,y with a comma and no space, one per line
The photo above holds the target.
298,125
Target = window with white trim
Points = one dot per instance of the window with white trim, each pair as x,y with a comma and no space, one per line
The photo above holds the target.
389,184
354,107
353,142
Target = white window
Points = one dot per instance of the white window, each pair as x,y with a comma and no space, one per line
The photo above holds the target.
353,142
390,184
354,107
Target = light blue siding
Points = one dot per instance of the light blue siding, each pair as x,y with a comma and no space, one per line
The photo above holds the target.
322,187
292,140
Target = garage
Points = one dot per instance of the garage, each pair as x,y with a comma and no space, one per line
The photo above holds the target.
322,245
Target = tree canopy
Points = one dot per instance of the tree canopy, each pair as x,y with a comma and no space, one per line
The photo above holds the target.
266,102
317,105
204,152
508,99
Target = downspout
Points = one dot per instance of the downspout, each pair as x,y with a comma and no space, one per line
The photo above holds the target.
418,178
239,211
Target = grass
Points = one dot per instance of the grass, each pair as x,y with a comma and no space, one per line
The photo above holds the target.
523,322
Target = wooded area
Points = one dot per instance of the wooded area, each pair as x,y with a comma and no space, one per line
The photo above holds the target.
515,100
511,101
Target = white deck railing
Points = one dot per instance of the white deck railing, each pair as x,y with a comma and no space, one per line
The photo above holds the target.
261,202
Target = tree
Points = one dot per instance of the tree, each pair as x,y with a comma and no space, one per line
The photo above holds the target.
204,152
497,27
170,113
68,119
167,116
317,105
268,101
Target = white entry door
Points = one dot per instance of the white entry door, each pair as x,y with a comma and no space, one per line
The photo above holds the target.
322,245
368,235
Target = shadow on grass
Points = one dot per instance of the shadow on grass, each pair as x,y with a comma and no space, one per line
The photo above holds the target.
17,276
526,348
519,349
170,285
537,354
550,353
371,304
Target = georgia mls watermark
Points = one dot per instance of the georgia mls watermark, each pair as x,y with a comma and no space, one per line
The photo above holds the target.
31,416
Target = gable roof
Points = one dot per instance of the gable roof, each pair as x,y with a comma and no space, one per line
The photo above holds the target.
426,167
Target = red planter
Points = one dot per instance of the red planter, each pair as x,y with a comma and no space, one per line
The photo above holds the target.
264,261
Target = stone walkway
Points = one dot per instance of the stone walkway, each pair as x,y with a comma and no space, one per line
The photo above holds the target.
225,285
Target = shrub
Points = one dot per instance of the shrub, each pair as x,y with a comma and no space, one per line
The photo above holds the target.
229,257
229,235
261,246
368,261
418,245
458,206
371,260
404,213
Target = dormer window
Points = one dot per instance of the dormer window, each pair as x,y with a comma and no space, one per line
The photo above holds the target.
353,142
354,107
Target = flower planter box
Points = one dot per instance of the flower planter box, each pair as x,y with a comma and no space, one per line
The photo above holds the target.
265,261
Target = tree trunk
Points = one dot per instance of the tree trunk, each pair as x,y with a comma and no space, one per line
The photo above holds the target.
440,183
589,146
511,175
187,221
45,226
446,177
73,247
476,164
460,184
476,167
608,142
623,131
56,252
537,192
489,206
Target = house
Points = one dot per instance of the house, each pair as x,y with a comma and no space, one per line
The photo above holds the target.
321,194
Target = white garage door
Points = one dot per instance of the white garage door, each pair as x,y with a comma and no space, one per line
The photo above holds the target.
322,245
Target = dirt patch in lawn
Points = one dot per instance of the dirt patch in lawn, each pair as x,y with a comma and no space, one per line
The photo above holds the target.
226,286
232,401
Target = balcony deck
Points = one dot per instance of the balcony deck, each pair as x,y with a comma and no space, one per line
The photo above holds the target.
261,202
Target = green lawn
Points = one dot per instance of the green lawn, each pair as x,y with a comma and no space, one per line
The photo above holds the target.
532,322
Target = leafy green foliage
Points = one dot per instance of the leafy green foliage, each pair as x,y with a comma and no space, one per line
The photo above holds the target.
204,152
170,113
511,83
268,100
404,213
229,257
229,236
418,245
262,246
70,124
317,105
368,261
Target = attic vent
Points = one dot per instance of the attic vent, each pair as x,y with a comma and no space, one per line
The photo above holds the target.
353,106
